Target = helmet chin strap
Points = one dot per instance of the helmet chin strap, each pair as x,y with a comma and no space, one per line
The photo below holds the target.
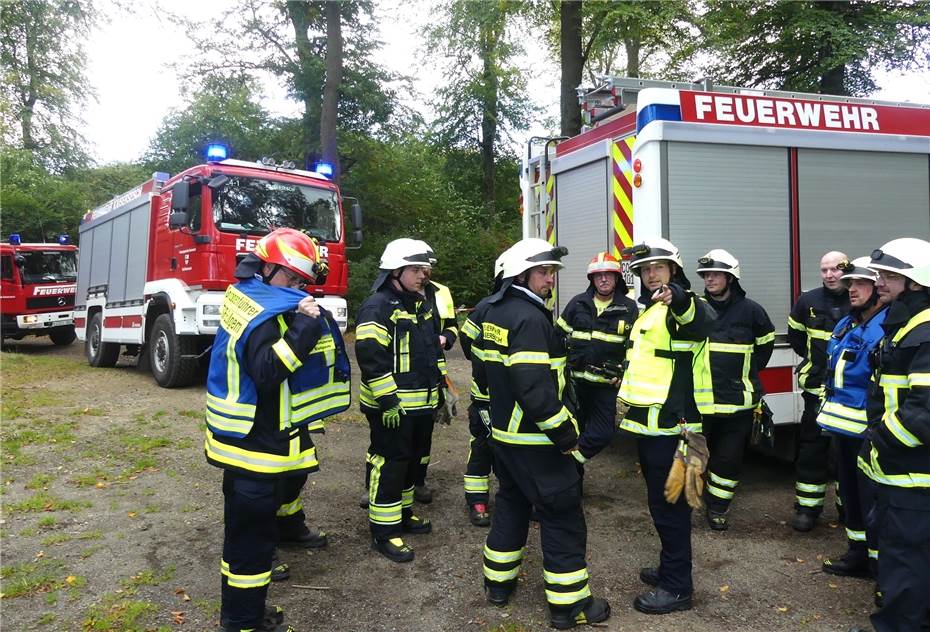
266,278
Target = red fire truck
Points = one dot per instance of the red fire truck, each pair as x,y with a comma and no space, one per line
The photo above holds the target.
775,178
37,289
159,257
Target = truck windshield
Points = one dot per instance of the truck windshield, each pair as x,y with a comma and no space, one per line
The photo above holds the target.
255,206
47,266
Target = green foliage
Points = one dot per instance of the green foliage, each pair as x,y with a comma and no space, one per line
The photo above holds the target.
829,47
43,87
116,613
43,575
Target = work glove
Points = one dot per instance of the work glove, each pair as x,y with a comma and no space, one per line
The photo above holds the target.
390,418
687,471
485,416
622,408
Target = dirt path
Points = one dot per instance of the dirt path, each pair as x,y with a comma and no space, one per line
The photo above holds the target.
112,520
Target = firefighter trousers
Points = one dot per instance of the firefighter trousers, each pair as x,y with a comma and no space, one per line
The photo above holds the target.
726,440
429,423
598,416
250,536
902,516
479,464
811,466
672,521
394,458
858,496
291,516
543,478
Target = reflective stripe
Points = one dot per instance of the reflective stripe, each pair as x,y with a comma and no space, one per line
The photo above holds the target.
286,355
520,438
855,536
565,579
227,425
406,497
590,377
290,508
470,329
873,470
730,347
901,433
381,386
245,581
819,334
811,488
516,416
501,576
918,379
643,429
476,484
796,325
809,502
769,337
503,557
554,421
836,416
688,316
726,482
521,357
259,461
873,554
384,514
719,492
373,331
557,598
563,325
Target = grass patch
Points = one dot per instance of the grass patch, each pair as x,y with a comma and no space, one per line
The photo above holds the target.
46,619
56,538
48,522
193,414
39,481
89,412
118,614
32,578
98,476
15,437
43,501
86,553
143,443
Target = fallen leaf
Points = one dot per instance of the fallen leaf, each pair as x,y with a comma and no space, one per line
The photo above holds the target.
101,485
132,514
177,617
832,585
40,555
782,608
724,588
800,561
70,579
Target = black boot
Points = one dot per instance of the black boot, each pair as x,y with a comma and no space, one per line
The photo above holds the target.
479,515
595,611
423,494
394,549
498,594
415,524
279,570
660,601
804,521
308,538
849,565
274,615
649,575
717,520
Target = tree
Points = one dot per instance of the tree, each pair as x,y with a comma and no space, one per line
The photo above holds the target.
223,109
573,60
44,86
826,47
483,95
288,41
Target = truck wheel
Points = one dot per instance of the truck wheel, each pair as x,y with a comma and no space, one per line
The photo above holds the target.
62,336
166,351
99,354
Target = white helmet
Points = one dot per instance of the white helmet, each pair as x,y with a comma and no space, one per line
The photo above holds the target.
907,256
405,252
719,260
655,249
499,263
529,253
857,269
429,251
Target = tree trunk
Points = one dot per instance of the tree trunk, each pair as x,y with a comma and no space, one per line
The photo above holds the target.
29,95
329,115
572,65
489,112
632,46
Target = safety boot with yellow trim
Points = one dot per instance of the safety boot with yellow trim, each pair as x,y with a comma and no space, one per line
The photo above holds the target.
394,549
416,524
595,611
279,570
307,537
273,616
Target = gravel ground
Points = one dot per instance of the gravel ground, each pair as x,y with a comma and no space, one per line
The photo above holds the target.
112,520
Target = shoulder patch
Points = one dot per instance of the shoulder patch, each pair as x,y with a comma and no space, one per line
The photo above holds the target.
494,333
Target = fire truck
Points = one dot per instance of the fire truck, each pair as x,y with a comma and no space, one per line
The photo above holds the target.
776,178
37,284
159,257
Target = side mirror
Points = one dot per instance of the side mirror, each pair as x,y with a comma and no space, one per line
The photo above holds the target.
180,200
178,219
357,215
355,239
218,182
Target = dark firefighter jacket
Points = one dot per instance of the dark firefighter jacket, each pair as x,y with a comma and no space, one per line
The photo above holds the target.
472,346
810,326
398,353
594,339
898,452
524,362
739,347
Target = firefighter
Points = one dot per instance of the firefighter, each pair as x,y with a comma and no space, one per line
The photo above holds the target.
666,387
596,325
480,458
810,325
278,366
738,348
843,413
534,438
398,355
896,452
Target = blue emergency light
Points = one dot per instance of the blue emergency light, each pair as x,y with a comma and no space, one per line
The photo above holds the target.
15,239
217,151
323,168
63,239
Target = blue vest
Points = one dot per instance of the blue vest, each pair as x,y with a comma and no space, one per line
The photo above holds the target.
317,388
849,374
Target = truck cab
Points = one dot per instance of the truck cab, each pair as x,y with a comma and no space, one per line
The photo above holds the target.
37,283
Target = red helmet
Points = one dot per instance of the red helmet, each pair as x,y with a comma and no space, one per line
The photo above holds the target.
604,262
292,249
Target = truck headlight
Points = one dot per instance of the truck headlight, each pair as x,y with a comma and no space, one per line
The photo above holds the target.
30,319
342,312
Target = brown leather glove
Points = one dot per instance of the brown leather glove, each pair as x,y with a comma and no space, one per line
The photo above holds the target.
696,464
675,482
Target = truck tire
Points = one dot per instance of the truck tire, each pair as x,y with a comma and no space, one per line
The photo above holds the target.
62,336
166,351
99,354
